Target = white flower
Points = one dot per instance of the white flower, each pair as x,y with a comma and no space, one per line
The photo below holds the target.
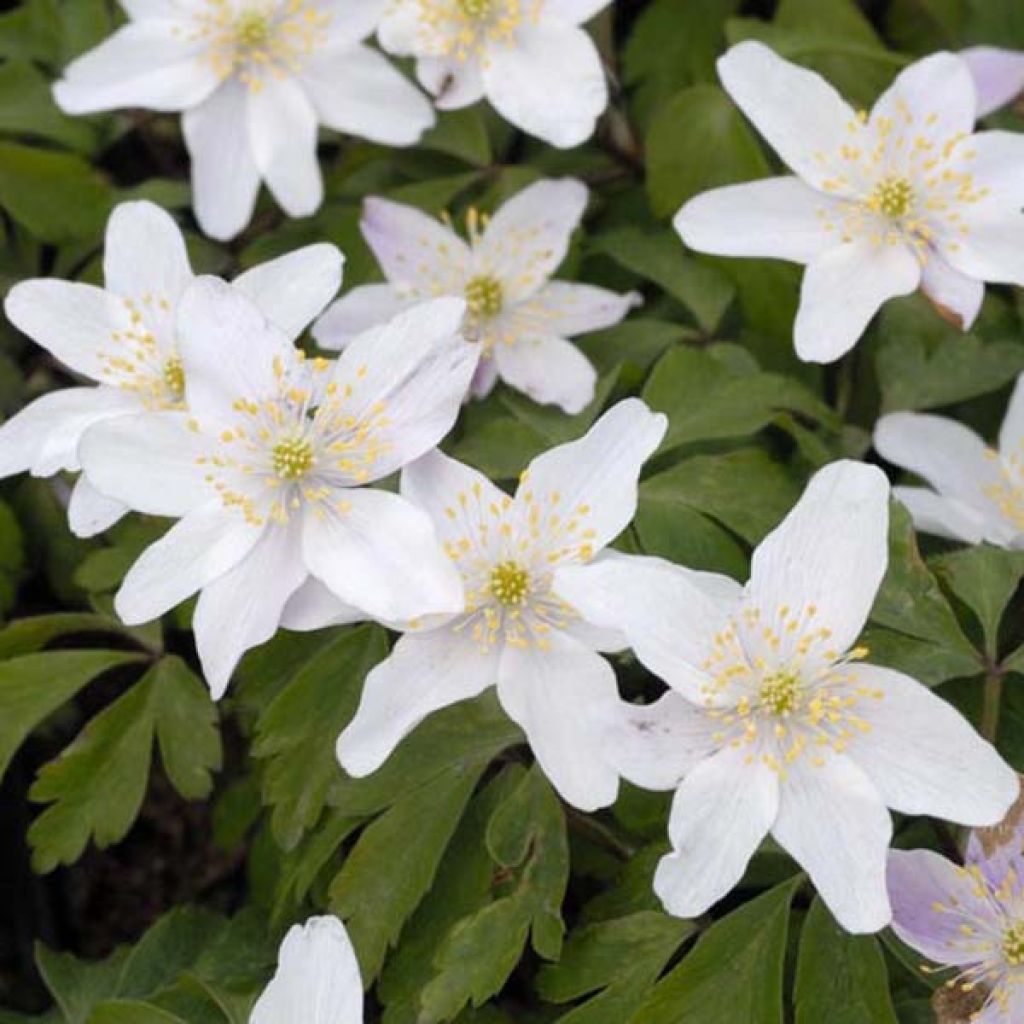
122,337
976,492
266,469
519,316
317,979
773,722
878,205
529,58
517,632
254,79
998,75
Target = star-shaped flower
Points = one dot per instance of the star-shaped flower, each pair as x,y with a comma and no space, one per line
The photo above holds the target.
878,205
519,316
517,631
266,471
255,79
774,722
530,58
122,337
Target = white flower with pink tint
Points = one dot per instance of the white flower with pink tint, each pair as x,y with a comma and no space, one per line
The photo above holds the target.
255,79
520,317
530,58
998,75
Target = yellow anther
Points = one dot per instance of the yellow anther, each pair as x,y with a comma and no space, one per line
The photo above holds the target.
174,378
509,583
293,458
484,295
892,197
779,693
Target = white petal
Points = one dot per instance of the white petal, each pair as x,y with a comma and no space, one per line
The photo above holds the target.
948,517
937,91
317,979
74,322
992,248
150,461
485,377
418,368
225,178
958,296
599,472
550,84
358,92
352,21
382,556
998,75
144,253
528,236
842,290
834,824
43,437
205,544
294,289
552,371
575,12
139,10
566,310
924,757
455,83
993,159
144,64
369,305
282,128
720,814
1011,433
799,114
419,255
90,512
829,553
425,672
242,609
563,697
779,218
227,347
656,745
313,606
669,614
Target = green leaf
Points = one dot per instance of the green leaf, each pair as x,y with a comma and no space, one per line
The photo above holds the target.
95,788
733,974
840,978
75,985
34,686
461,133
27,108
130,1011
698,141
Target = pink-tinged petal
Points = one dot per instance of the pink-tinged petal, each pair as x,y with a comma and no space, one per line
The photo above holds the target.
948,517
998,75
834,824
89,512
931,899
358,92
424,673
151,64
225,178
998,849
419,255
563,696
454,83
552,371
242,609
720,814
283,132
565,310
957,296
551,84
369,305
144,254
778,218
313,606
528,236
842,290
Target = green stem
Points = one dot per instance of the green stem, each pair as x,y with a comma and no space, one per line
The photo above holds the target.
990,704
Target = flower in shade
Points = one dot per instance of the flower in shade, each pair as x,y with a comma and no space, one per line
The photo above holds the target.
122,339
998,75
317,980
254,79
774,722
878,205
517,631
530,58
266,472
969,918
975,492
519,316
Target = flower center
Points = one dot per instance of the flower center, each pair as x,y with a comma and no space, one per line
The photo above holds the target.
509,583
1013,944
779,693
292,457
252,29
893,197
477,9
174,377
484,294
